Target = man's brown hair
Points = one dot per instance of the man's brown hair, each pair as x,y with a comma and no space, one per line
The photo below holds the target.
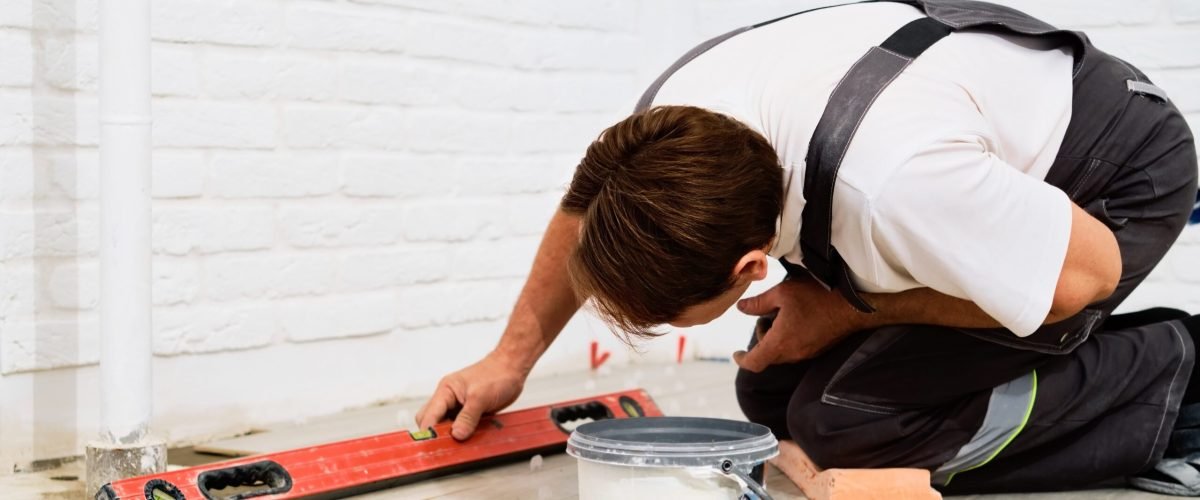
670,199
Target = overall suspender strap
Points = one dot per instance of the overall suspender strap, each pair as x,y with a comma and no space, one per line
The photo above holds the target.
648,96
651,92
843,113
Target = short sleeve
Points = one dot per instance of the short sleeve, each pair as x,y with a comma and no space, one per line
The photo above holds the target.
961,221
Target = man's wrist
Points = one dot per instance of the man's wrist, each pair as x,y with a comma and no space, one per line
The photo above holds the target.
860,321
518,357
888,311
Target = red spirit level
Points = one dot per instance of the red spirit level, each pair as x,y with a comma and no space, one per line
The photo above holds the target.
365,464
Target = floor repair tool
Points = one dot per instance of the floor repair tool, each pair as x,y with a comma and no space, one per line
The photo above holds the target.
370,463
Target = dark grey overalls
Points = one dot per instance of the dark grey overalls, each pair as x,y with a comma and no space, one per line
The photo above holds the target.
1080,403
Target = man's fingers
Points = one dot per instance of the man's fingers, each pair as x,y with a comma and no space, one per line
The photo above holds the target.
754,361
442,400
468,419
762,326
758,305
759,358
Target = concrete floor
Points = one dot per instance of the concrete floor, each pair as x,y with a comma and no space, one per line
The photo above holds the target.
695,388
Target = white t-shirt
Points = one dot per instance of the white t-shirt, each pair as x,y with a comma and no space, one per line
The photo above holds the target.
943,184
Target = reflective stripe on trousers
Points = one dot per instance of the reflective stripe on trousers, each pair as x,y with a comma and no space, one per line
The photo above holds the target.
1008,411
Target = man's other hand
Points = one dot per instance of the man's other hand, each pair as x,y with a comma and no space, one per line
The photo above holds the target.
808,320
484,387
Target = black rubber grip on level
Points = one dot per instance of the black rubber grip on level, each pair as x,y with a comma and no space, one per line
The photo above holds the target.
271,477
593,410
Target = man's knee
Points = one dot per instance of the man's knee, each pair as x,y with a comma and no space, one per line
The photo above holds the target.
763,403
836,437
811,425
747,397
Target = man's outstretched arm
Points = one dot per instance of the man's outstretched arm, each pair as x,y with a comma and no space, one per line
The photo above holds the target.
546,302
545,305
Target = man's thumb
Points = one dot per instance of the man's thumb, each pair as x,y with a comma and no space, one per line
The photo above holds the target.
758,305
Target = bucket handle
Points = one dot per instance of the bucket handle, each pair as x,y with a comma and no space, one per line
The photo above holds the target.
751,490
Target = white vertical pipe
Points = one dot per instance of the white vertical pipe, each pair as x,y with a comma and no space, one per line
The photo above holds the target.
125,344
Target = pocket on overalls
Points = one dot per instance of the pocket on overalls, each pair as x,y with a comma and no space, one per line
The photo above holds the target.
1098,208
1090,181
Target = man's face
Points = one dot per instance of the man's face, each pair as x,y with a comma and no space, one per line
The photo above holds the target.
705,312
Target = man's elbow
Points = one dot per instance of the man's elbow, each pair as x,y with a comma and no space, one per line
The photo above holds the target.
1091,270
1078,290
1110,280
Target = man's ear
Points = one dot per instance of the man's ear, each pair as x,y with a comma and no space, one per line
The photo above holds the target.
752,266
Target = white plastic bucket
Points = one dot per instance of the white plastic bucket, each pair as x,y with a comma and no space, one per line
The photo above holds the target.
659,458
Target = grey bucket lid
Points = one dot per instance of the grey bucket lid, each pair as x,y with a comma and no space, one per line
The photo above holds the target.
672,442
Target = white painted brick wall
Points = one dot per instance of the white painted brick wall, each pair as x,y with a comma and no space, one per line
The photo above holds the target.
341,226
373,270
342,315
397,175
215,228
231,277
269,174
190,329
348,194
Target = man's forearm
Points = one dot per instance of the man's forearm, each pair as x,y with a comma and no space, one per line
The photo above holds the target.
924,306
547,301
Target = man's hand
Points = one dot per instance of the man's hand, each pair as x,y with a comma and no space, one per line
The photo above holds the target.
809,319
484,387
